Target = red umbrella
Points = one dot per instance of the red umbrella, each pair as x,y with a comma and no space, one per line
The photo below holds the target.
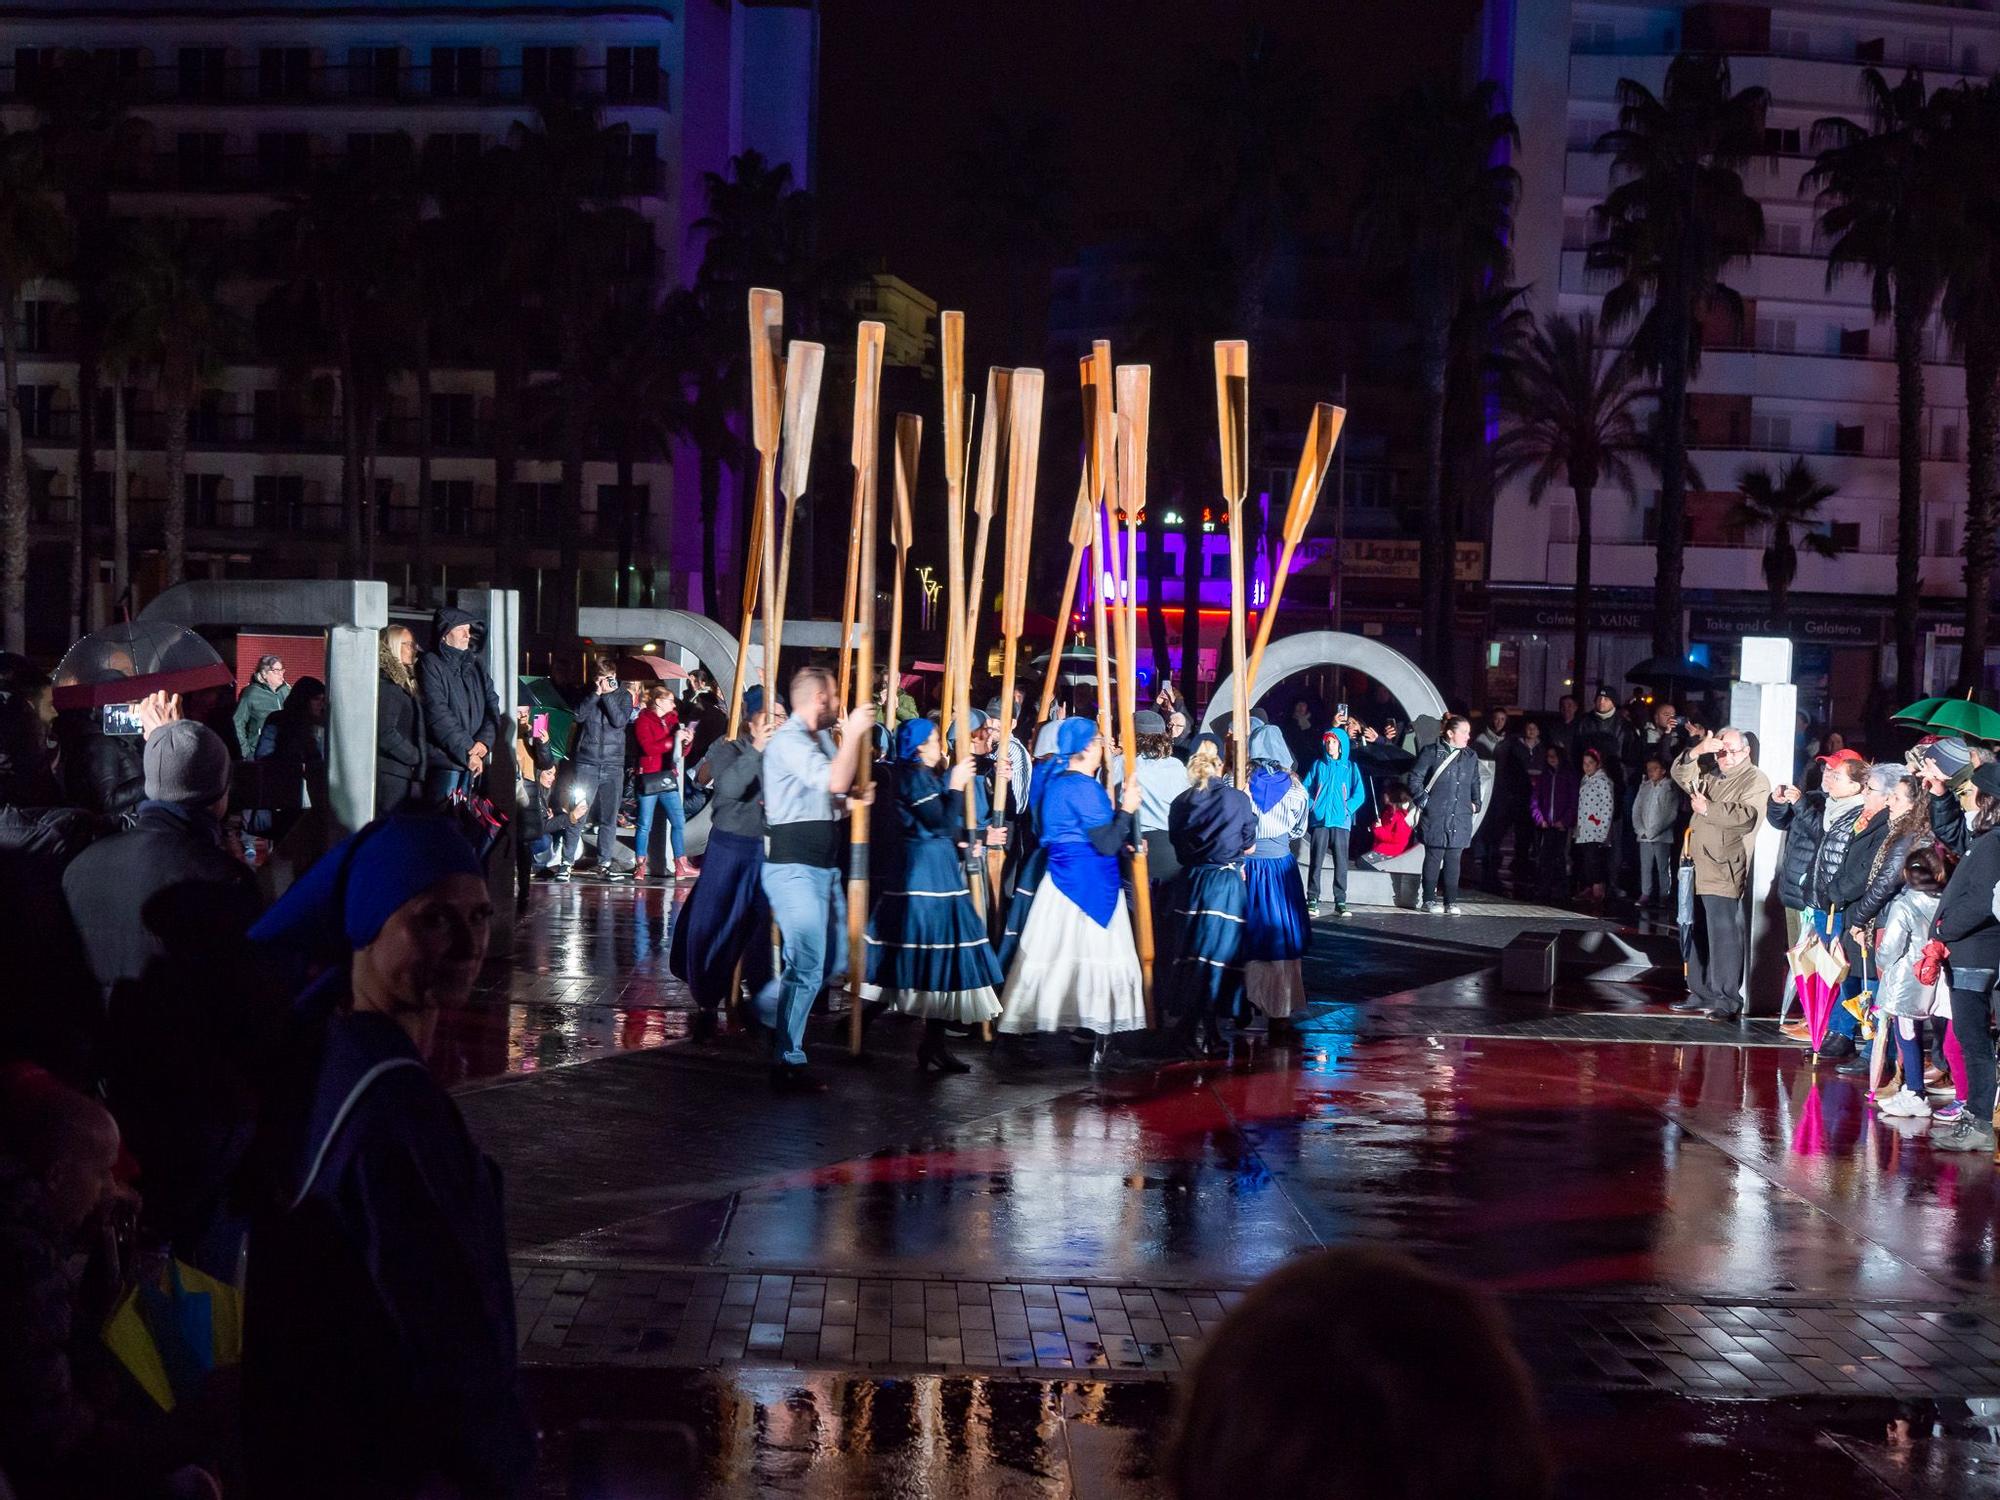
638,668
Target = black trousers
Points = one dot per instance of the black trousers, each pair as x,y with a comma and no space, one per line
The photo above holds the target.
1715,971
1441,874
1324,841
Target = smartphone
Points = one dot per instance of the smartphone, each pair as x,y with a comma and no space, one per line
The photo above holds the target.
1339,712
540,727
122,720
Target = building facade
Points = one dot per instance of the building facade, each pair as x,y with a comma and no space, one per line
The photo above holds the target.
1810,372
233,106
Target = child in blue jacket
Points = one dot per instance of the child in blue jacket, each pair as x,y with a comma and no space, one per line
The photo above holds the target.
1334,785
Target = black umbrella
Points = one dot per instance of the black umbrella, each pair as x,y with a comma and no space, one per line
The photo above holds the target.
1675,675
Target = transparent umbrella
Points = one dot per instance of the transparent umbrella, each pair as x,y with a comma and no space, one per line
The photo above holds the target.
121,663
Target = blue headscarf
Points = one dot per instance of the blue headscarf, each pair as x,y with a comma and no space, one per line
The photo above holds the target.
343,902
1268,743
911,736
1074,734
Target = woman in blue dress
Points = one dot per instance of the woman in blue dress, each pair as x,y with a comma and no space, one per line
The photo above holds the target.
1049,763
1276,929
1077,968
927,946
1213,827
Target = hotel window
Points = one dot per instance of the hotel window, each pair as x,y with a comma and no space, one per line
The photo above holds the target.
1780,140
284,158
204,73
1591,36
452,507
632,75
32,66
457,148
1947,446
1771,432
201,498
37,326
284,73
37,405
1846,535
458,72
1777,335
451,419
279,501
364,146
1790,42
198,156
373,72
548,72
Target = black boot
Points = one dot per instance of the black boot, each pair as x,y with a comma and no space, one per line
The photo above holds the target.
1100,1052
931,1052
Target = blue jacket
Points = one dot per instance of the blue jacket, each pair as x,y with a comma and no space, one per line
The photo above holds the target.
1335,787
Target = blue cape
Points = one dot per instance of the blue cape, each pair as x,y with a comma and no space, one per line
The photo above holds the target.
1073,805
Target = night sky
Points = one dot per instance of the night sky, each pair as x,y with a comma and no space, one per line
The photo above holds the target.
905,84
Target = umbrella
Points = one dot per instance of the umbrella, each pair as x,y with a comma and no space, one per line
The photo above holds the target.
641,668
546,698
1817,969
1076,666
1677,675
121,663
1959,716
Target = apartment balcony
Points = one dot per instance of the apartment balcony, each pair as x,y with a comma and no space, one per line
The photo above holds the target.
1818,376
261,525
403,85
1827,84
1767,275
1855,574
169,172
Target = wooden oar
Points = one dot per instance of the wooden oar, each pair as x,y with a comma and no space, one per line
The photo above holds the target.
1135,396
1232,420
909,439
1099,457
752,570
767,338
1024,446
951,372
804,365
985,492
1313,465
1079,540
867,380
847,612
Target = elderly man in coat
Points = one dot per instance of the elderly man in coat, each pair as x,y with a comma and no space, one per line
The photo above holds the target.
1728,796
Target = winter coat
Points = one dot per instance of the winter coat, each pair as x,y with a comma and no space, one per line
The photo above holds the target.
460,706
1393,834
1554,804
399,743
256,705
1868,886
1859,848
1719,839
1611,736
1965,917
1334,785
600,730
1656,808
736,774
27,769
1905,928
101,773
1822,877
1596,809
49,1007
1450,803
656,741
1802,823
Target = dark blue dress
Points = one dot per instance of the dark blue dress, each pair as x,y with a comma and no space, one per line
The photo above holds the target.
927,942
1211,828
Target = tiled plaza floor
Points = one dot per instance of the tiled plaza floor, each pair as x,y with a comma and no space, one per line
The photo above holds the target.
1672,1210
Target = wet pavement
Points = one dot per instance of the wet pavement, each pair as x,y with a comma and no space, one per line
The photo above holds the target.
1672,1210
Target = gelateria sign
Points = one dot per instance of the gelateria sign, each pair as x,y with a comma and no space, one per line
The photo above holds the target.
1849,627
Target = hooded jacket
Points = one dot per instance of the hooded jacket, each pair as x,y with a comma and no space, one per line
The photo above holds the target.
1656,807
1334,785
460,706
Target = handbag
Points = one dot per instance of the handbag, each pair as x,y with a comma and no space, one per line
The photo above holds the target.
653,783
1416,813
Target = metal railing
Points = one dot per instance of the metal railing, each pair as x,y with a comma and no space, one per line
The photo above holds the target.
388,81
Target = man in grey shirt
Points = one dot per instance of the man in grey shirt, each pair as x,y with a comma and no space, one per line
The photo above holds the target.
806,778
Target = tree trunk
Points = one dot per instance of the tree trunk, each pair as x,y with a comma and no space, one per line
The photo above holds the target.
709,476
1586,523
507,519
82,578
625,520
1784,568
1435,564
574,416
1909,489
1667,637
1982,411
121,507
14,511
177,395
424,519
1189,452
350,459
371,519
1156,574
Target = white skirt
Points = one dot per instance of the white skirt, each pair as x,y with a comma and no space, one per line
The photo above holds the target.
1070,974
960,1007
1277,987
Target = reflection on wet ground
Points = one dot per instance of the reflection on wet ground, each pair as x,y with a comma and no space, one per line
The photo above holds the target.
1591,1146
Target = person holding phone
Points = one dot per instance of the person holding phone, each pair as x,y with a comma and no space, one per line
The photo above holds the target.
598,768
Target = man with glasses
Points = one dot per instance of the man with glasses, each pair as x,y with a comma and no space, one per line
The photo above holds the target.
1728,795
264,697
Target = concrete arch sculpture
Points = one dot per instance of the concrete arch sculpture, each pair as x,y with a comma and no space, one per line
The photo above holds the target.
699,636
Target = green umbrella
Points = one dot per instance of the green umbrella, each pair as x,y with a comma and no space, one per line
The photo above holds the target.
1963,717
1920,712
547,699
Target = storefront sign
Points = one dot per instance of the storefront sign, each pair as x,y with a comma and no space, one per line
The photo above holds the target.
1558,617
1378,557
1857,627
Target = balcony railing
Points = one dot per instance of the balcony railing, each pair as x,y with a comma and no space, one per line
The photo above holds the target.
323,518
398,83
167,171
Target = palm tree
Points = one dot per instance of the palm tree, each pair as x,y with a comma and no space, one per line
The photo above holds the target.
164,311
1785,503
1677,215
342,243
639,403
1435,217
1881,206
575,226
34,240
1970,251
1015,202
1570,403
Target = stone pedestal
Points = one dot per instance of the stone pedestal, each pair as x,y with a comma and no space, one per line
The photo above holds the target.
1765,704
